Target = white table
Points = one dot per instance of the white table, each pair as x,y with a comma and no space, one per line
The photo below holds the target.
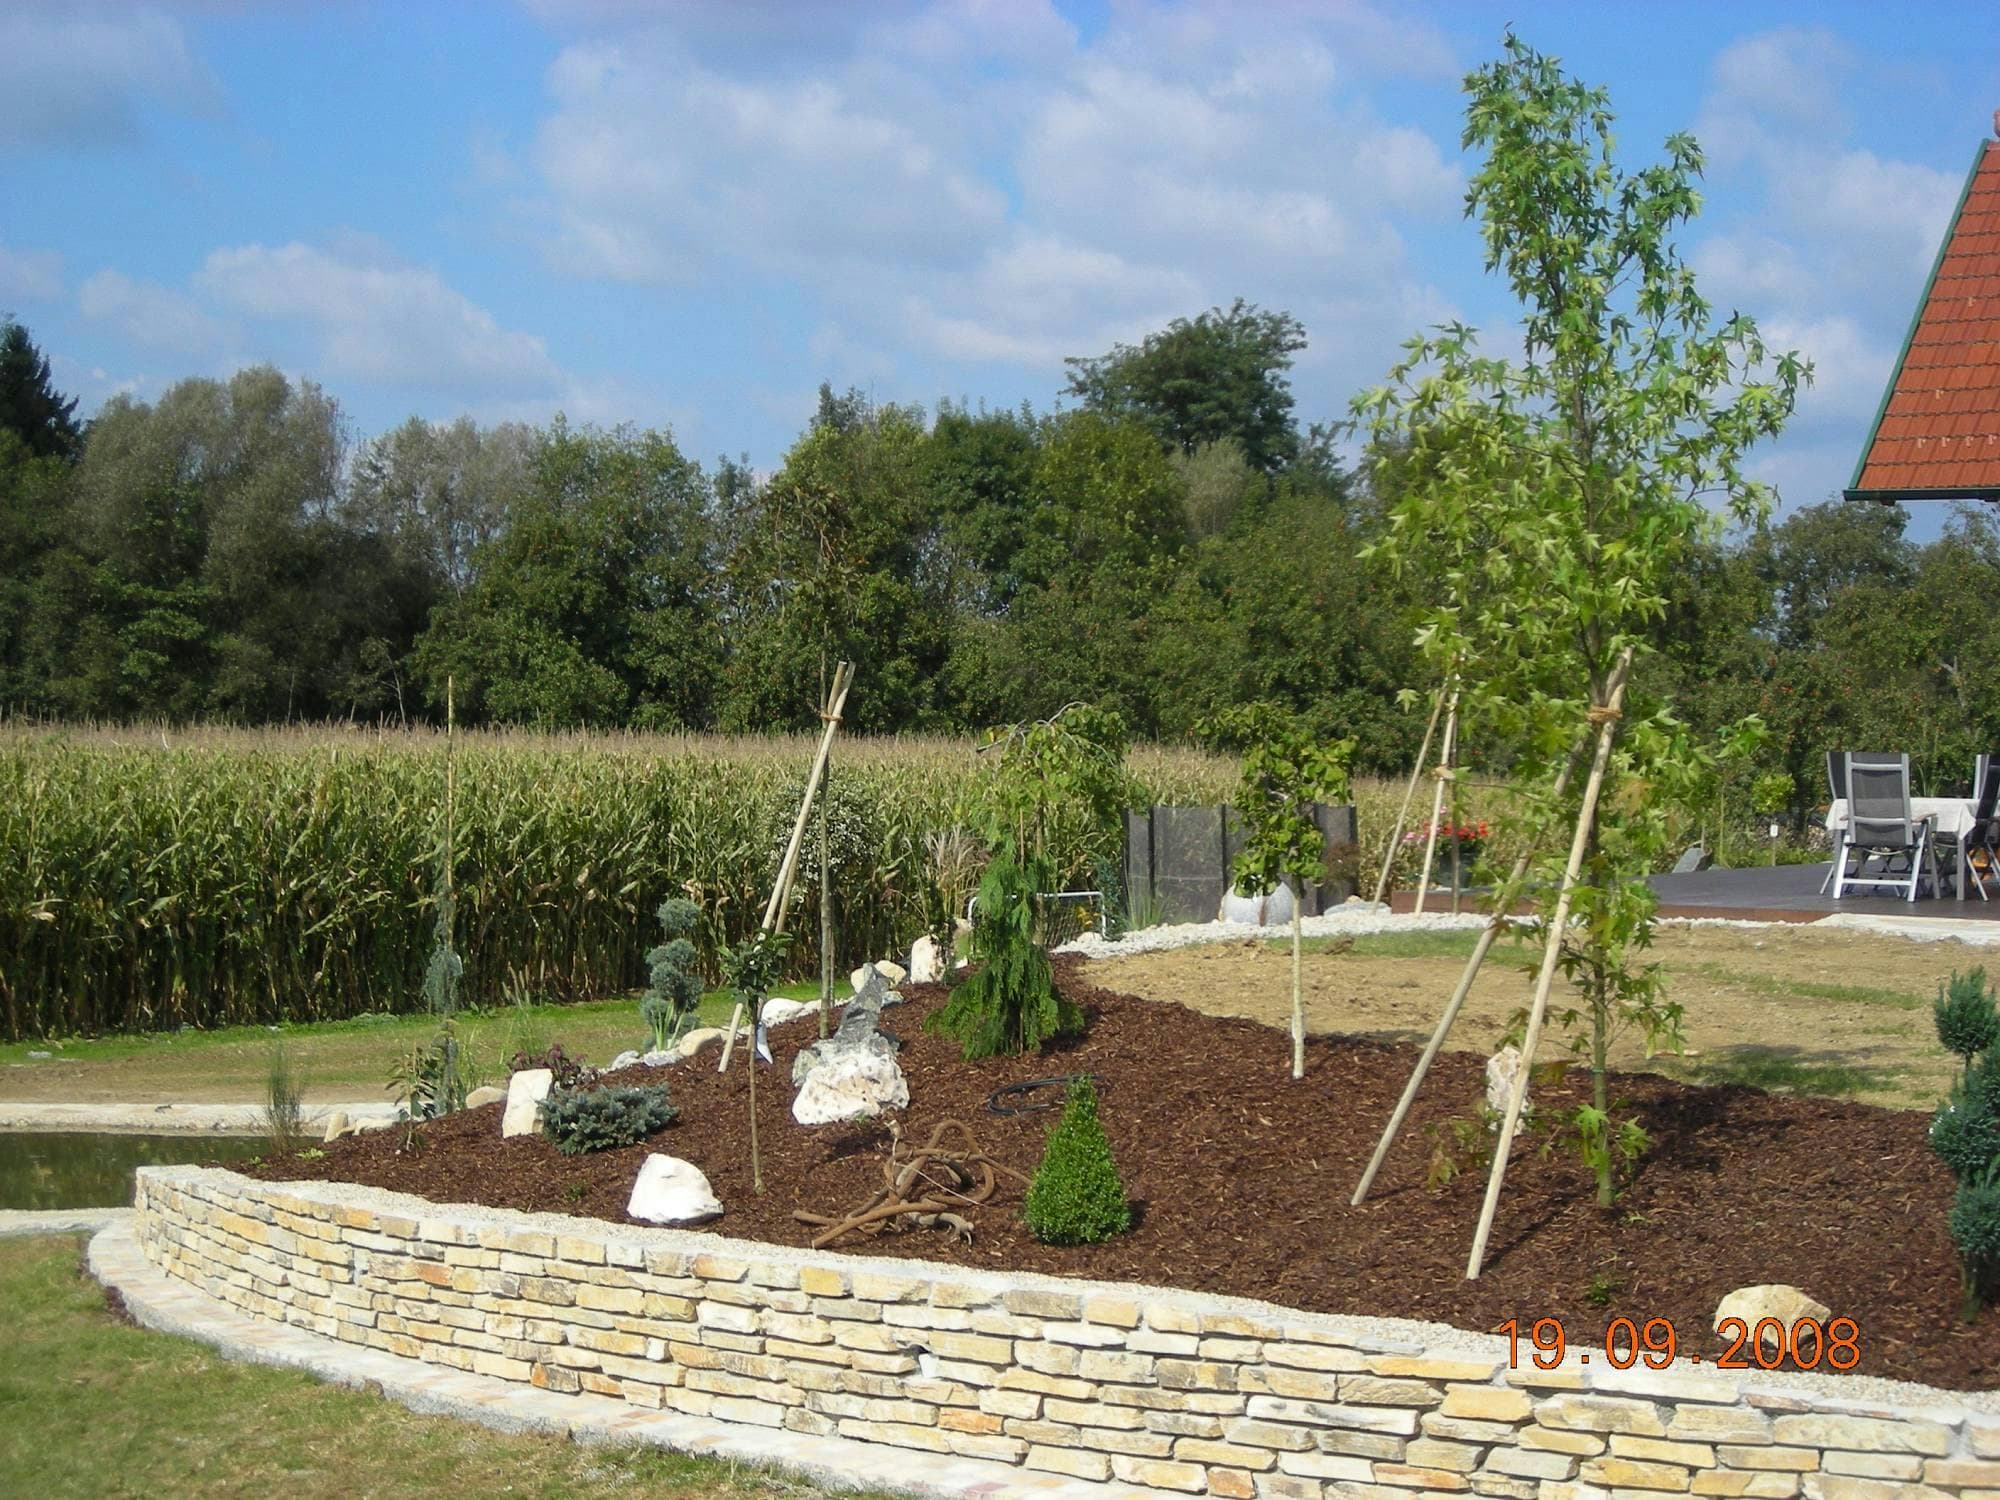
1951,818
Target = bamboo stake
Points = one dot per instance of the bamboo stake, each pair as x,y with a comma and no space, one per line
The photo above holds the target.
1488,935
1443,775
1409,795
774,918
1606,718
729,1042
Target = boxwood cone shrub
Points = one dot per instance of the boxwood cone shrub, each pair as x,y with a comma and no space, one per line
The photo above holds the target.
580,1120
1975,1229
1076,1197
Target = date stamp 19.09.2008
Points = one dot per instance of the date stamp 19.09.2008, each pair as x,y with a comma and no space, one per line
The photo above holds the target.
1769,1344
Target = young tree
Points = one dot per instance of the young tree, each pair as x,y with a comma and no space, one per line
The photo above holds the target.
1286,768
1595,464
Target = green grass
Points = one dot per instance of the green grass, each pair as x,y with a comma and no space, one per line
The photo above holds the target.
1782,1070
1392,944
1805,989
344,1060
93,1406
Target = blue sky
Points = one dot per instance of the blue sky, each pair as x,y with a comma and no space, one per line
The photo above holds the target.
688,215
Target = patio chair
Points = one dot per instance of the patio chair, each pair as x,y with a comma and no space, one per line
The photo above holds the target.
1984,834
1880,828
1836,786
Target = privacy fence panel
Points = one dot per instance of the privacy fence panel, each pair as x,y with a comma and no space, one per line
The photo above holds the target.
1177,860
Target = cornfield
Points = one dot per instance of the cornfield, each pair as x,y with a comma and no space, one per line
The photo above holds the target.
154,879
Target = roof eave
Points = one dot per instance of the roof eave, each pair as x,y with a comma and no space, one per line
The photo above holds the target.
1892,497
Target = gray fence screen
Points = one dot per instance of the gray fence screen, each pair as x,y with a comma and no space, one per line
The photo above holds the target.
1177,860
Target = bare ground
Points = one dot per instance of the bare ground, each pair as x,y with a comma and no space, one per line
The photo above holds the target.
1783,1006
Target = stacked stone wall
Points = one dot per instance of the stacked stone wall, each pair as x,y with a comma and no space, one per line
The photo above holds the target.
1147,1387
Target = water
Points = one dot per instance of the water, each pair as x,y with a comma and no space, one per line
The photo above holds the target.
89,1169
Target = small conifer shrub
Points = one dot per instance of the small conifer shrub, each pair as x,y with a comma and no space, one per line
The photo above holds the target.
1965,1132
1076,1197
580,1120
1975,1229
1968,1022
675,992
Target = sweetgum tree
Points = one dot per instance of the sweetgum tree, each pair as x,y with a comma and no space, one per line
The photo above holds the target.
1557,479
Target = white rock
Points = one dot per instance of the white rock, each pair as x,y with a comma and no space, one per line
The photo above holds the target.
338,1125
699,1038
375,1122
1274,909
1775,1300
672,1191
484,1095
926,962
624,1059
851,1085
1502,1068
778,1012
892,973
525,1092
660,1058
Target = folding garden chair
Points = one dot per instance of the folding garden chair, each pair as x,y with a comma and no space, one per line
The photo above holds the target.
1836,786
1880,828
1983,837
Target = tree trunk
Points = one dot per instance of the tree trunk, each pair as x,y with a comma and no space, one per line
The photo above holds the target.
825,914
1600,1047
1298,1000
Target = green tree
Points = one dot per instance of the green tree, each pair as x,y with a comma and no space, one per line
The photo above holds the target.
1286,768
594,605
1222,375
30,406
1581,470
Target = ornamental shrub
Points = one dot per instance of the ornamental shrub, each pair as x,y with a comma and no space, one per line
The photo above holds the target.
1010,1003
1965,1132
1076,1197
580,1120
675,991
1968,1022
1975,1229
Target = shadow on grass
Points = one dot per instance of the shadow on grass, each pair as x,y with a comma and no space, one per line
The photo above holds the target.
1785,1070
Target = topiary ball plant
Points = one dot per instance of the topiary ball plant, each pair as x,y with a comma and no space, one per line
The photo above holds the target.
1076,1197
1968,1022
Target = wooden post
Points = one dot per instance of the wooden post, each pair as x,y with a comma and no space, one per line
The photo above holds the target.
1605,716
1488,935
1443,775
1409,795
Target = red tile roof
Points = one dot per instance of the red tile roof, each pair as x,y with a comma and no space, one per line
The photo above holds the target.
1938,433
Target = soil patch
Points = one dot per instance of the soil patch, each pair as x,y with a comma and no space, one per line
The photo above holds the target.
1240,1179
1848,1010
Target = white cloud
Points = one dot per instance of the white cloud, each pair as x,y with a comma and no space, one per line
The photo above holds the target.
30,275
153,316
79,74
375,317
971,181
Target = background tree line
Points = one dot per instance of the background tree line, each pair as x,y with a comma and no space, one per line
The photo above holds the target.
1170,543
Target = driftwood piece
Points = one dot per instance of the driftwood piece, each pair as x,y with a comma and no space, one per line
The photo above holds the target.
921,1191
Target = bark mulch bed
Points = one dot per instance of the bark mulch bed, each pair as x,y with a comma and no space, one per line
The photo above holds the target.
1240,1179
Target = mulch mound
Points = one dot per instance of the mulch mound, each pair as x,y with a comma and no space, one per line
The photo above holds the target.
1240,1179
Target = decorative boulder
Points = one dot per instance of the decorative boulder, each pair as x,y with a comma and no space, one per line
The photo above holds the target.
851,1085
525,1092
699,1038
1502,1068
484,1095
624,1059
672,1191
338,1125
926,962
1270,910
659,1058
1774,1300
860,1029
778,1012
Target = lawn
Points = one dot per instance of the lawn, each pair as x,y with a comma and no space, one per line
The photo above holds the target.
94,1406
340,1061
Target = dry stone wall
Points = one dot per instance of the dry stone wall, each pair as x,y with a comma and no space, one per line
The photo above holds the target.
1150,1388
